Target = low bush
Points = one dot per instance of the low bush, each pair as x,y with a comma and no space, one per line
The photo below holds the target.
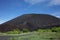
25,30
56,29
15,31
44,30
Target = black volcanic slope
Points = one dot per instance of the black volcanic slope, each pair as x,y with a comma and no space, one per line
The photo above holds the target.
31,22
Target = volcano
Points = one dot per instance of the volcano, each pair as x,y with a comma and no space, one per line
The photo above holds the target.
31,22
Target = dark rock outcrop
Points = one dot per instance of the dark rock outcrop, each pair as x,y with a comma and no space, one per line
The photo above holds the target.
31,22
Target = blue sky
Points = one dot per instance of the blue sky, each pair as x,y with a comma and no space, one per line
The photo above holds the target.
10,9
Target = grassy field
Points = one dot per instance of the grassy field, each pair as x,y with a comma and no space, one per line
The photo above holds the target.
32,36
40,34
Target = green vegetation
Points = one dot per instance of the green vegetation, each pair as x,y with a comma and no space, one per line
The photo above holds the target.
40,34
56,29
25,30
37,36
44,30
16,31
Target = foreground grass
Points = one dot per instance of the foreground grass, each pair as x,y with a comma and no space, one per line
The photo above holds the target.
33,36
40,34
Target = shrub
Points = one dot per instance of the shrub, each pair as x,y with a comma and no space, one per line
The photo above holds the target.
44,30
56,29
25,30
15,31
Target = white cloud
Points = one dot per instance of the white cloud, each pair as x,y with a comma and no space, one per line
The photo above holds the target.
51,2
34,1
1,21
55,2
57,14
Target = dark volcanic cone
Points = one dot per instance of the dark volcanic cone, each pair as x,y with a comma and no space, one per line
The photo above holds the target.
31,22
